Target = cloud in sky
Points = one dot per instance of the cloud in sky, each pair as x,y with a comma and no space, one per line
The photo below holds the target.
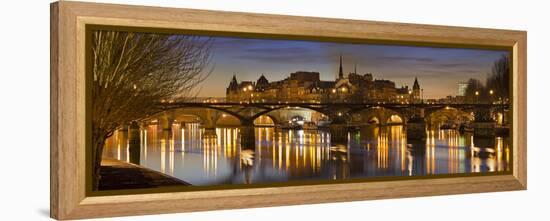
438,69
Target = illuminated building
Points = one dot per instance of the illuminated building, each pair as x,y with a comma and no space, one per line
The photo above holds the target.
462,88
416,96
304,86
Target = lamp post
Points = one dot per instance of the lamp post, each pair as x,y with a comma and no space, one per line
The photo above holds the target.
491,96
477,97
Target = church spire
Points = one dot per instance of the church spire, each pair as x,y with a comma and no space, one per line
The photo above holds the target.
416,85
233,85
341,70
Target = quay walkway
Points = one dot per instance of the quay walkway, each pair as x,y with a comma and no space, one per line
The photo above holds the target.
116,175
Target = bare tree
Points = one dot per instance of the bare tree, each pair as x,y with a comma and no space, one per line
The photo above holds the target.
133,73
499,78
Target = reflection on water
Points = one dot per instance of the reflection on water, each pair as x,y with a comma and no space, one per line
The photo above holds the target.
204,157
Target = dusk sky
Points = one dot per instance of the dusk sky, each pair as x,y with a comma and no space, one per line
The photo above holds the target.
438,69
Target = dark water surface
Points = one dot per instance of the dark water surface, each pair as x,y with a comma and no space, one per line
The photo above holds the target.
284,155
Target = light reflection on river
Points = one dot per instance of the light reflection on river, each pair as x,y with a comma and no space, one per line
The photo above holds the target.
285,155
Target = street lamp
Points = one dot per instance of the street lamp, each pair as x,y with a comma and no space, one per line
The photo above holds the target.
491,93
477,95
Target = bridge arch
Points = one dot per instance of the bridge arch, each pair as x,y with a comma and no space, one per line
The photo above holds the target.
284,114
202,108
166,120
227,120
377,116
265,121
394,119
448,115
209,116
373,120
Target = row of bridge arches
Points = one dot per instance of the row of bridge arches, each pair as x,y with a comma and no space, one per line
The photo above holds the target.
377,115
211,118
230,121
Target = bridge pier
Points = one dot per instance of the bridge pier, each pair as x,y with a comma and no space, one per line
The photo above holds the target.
416,129
338,133
209,132
248,137
166,123
369,132
484,142
123,135
134,143
484,129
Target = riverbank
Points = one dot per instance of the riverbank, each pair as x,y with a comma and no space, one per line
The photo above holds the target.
116,175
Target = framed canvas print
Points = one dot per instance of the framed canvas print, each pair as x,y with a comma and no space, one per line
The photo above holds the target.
159,110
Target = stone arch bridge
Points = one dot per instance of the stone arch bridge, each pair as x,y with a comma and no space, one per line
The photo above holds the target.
415,116
340,113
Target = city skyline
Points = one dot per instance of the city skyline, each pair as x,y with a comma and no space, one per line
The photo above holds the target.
439,70
292,111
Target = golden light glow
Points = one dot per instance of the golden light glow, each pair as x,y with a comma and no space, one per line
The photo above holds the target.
381,149
395,119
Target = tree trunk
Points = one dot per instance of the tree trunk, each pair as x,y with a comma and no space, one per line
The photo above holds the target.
98,143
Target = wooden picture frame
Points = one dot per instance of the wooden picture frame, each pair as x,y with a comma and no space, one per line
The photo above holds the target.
68,118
